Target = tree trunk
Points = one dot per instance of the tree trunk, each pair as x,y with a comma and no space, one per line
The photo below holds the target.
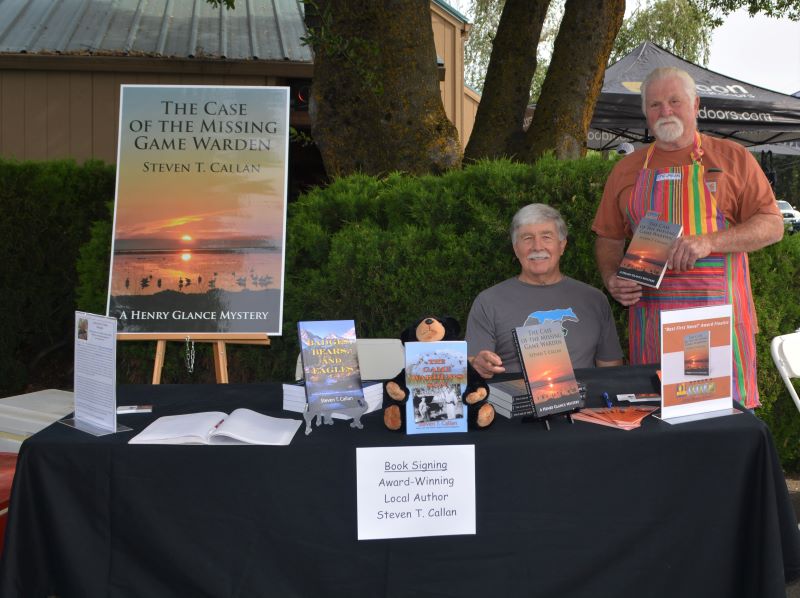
498,123
375,103
569,94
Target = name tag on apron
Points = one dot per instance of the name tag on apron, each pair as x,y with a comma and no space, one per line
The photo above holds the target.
668,176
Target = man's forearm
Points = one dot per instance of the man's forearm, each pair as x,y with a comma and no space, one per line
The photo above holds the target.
757,232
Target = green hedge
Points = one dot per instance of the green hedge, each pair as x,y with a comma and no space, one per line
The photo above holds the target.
385,252
47,209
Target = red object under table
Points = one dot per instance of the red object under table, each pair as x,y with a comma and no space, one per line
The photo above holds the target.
8,465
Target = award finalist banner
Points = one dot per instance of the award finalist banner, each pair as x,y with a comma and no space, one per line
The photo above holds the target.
696,361
200,213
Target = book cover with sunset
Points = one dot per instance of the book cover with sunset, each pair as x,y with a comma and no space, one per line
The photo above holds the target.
695,353
200,212
547,368
645,260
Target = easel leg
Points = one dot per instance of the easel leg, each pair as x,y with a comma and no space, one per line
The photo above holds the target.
161,349
220,362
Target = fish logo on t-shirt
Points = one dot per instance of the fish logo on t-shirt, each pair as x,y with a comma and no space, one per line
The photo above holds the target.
566,314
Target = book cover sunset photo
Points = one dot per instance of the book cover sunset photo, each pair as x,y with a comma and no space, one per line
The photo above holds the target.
547,367
644,256
199,231
695,353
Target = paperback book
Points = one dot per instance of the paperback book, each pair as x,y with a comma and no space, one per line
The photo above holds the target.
330,368
242,426
294,397
436,377
510,398
645,260
547,369
623,418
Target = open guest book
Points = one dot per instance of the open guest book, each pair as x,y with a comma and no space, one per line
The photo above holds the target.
242,426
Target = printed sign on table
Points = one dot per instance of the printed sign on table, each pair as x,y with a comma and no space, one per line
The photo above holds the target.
696,364
415,491
200,216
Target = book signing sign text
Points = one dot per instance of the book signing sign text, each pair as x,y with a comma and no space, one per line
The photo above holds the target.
415,491
200,214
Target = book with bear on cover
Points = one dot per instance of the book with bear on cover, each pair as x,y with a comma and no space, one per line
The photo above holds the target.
547,368
436,377
242,426
645,260
330,366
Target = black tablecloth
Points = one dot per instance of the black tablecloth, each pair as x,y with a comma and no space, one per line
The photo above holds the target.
699,509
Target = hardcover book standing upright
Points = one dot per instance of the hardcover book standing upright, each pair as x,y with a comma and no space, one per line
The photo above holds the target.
645,261
547,368
436,377
330,366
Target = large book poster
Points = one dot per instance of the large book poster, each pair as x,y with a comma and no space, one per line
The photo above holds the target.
696,362
200,214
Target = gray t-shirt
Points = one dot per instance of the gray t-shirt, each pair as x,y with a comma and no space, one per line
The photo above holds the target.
583,311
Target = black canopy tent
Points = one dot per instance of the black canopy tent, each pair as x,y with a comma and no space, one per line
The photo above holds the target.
728,108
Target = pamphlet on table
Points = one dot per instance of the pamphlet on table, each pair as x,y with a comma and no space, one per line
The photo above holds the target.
623,417
645,260
696,361
242,426
95,374
436,377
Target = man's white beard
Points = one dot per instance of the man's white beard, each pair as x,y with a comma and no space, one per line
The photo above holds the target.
668,128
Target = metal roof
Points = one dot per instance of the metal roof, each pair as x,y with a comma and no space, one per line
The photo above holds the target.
255,30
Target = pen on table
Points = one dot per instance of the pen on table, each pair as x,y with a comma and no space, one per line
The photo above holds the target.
134,408
607,399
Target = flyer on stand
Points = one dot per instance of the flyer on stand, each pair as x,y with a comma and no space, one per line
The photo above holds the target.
95,377
696,365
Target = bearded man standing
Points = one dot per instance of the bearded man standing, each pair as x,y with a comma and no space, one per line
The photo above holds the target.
718,192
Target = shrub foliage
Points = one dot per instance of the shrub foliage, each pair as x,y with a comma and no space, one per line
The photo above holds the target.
47,209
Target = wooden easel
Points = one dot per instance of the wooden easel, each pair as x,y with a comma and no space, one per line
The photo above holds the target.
219,341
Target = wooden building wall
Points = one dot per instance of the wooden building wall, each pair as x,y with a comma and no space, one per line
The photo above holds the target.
68,106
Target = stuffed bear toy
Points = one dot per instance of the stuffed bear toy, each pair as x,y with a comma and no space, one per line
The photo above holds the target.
480,413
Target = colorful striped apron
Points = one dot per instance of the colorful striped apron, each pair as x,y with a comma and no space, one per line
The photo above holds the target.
680,195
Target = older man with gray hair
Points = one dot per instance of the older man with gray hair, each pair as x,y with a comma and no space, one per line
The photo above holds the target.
717,191
539,294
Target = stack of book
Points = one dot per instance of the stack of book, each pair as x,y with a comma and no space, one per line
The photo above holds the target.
294,397
511,399
624,418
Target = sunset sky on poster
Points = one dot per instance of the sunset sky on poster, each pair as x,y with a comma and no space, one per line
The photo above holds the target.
199,204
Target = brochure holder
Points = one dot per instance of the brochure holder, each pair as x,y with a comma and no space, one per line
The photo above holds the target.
90,429
219,341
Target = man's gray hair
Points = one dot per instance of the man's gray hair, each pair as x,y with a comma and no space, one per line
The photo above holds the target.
665,72
537,213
